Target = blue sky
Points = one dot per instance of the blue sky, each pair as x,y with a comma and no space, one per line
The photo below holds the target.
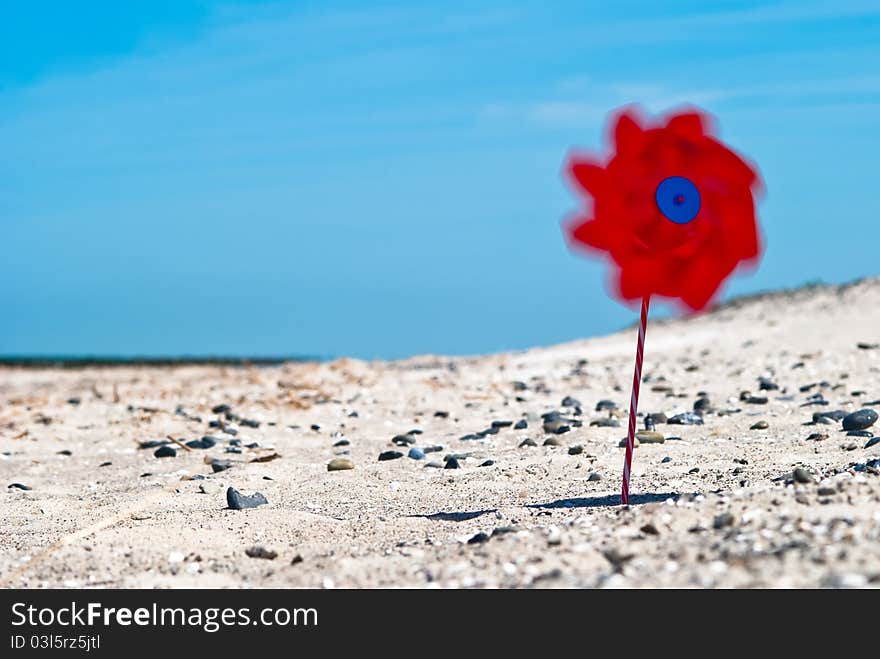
380,180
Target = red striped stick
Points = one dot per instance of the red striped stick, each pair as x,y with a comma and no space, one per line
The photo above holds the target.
634,401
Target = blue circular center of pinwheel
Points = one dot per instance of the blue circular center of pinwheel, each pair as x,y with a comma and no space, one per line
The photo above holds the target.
678,199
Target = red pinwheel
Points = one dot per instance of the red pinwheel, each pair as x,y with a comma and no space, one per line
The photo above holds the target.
672,206
674,209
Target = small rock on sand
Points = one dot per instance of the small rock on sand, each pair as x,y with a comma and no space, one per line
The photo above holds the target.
239,501
165,451
649,437
860,420
258,551
340,464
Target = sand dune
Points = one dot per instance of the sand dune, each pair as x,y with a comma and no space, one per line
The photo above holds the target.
716,505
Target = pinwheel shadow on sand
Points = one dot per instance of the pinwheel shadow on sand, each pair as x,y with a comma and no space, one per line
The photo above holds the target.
576,502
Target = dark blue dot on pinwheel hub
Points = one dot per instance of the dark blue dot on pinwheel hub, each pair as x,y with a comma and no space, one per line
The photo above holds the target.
678,199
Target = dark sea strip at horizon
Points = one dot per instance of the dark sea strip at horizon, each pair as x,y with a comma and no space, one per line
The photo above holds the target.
84,361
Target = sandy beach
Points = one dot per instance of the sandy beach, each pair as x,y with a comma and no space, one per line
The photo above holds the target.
757,495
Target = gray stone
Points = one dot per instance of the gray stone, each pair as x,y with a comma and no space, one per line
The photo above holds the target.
239,501
860,420
165,451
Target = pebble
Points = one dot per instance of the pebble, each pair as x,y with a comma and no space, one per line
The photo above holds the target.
205,442
452,463
478,538
18,486
650,437
568,401
433,449
258,551
250,423
860,420
389,455
239,501
608,422
702,405
441,414
552,441
801,475
220,465
759,425
594,476
487,463
342,442
416,453
528,441
817,436
499,531
576,449
152,443
666,460
210,487
165,451
766,384
221,409
754,400
686,419
340,464
502,424
649,529
622,442
723,520
815,399
860,433
656,417
557,426
522,424
403,440
606,405
872,442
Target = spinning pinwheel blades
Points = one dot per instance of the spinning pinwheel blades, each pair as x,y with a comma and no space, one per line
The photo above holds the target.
673,210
